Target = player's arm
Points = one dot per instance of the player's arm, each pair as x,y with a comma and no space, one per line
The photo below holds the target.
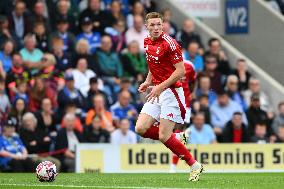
148,81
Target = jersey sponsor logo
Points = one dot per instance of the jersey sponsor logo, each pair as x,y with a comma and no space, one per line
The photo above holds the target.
151,58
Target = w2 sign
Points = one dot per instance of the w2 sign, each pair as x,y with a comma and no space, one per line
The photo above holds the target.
237,16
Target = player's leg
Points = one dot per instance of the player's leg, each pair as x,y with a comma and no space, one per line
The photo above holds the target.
145,127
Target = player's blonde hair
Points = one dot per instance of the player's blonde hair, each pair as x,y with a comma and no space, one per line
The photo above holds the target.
153,15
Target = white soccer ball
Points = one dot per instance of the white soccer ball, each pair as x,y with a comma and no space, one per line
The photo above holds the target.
46,171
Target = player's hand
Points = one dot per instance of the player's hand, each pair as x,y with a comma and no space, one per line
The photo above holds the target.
143,87
154,94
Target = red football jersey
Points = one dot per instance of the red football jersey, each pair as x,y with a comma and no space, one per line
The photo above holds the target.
161,55
190,77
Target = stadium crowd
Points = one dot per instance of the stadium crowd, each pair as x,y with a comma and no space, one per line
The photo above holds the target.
69,72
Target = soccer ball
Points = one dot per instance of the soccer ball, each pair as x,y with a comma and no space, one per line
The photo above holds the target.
46,171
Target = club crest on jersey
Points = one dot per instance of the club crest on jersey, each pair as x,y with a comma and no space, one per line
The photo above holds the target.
158,50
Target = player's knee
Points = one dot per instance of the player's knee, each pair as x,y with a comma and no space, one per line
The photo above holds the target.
140,130
163,138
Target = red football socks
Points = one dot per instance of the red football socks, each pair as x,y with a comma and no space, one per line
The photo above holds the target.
175,159
179,149
152,133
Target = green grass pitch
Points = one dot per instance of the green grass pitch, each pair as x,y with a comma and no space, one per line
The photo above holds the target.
145,181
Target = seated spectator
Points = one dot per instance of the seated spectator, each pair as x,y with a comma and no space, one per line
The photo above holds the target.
4,102
223,65
260,135
100,111
125,85
137,32
36,140
95,132
117,33
63,58
137,9
93,38
2,71
19,21
39,16
234,94
204,108
188,34
30,54
42,36
6,55
192,55
16,73
69,94
6,34
255,88
46,118
204,88
94,90
115,12
222,111
110,65
72,109
235,130
214,75
279,119
13,153
21,91
133,62
242,73
38,92
82,76
62,32
15,116
66,140
123,135
201,133
167,17
255,113
122,109
280,134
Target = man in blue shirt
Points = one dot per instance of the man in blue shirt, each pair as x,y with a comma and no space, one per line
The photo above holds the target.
93,38
13,154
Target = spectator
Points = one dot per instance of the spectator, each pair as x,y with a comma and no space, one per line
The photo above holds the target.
134,62
6,55
30,54
260,134
66,140
117,33
223,65
2,71
125,85
167,29
38,92
188,34
101,113
204,107
69,94
95,132
71,108
255,88
205,89
201,133
42,36
63,33
21,91
82,76
234,94
38,15
93,38
138,9
122,109
15,116
13,153
46,118
213,73
222,111
243,74
255,113
192,55
4,100
280,134
137,32
36,140
235,130
19,21
99,17
123,135
6,34
167,17
94,90
115,12
279,119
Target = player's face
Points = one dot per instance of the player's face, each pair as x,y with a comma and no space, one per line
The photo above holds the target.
155,27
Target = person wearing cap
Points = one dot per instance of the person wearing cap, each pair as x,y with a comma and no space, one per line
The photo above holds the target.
93,38
13,153
222,111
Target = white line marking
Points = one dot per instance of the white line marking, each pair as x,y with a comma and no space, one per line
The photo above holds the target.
82,186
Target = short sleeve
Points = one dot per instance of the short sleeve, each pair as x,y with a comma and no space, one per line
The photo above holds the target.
175,52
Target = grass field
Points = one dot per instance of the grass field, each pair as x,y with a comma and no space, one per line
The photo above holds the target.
145,181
